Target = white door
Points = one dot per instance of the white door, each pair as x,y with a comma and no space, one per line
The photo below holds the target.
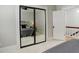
59,25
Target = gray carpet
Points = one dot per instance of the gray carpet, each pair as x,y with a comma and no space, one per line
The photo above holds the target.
67,47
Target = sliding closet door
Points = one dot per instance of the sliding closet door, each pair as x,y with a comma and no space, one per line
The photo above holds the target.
40,25
32,26
27,26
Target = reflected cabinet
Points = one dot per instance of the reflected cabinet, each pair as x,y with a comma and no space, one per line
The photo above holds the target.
32,25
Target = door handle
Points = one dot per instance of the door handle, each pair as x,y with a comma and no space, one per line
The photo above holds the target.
53,27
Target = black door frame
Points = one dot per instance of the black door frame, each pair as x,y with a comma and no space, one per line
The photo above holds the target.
34,8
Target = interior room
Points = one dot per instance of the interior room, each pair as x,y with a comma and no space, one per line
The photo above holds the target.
39,28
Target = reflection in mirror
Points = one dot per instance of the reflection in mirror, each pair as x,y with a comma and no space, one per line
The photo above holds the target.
40,25
27,26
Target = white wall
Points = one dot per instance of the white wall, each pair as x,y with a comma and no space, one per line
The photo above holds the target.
72,16
60,7
7,25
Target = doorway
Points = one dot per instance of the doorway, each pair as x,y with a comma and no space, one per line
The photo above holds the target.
59,25
32,25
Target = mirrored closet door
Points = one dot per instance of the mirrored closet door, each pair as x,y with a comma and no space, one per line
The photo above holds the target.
32,26
40,25
27,26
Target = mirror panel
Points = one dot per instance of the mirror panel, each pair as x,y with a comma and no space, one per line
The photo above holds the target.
40,25
27,26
